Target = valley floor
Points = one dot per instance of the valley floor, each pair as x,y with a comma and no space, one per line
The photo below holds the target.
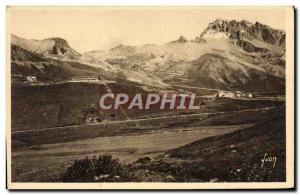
47,162
165,146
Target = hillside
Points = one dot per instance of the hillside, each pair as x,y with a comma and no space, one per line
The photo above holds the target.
222,73
232,157
239,156
26,63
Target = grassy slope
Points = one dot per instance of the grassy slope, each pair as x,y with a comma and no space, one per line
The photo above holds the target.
58,105
231,157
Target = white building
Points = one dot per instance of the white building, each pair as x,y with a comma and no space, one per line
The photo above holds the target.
85,78
31,79
224,94
235,94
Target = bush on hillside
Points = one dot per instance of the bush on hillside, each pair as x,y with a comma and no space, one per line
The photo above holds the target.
101,169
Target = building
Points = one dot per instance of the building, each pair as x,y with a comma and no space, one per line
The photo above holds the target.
239,94
235,94
22,79
225,94
86,78
31,79
90,114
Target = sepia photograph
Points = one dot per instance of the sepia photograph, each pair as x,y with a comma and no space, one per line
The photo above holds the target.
150,97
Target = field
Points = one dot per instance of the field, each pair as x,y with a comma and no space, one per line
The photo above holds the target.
44,162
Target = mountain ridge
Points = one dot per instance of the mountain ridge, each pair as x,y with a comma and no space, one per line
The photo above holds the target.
232,53
49,47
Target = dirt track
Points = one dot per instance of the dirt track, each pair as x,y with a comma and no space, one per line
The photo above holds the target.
133,123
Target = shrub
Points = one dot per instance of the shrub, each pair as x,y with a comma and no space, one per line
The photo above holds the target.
101,169
144,160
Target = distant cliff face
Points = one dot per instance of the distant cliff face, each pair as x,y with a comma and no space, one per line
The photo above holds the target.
181,39
51,47
242,29
251,37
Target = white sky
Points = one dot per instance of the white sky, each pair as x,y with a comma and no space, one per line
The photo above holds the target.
101,28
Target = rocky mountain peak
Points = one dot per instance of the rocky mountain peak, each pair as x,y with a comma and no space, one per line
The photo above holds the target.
218,21
244,30
59,42
56,46
181,39
50,47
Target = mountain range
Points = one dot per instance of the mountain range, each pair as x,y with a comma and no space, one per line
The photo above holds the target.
228,55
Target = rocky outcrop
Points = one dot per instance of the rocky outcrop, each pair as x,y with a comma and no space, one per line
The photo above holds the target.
181,39
249,47
244,30
50,47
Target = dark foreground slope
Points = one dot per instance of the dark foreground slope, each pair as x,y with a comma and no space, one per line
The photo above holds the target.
233,157
237,156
